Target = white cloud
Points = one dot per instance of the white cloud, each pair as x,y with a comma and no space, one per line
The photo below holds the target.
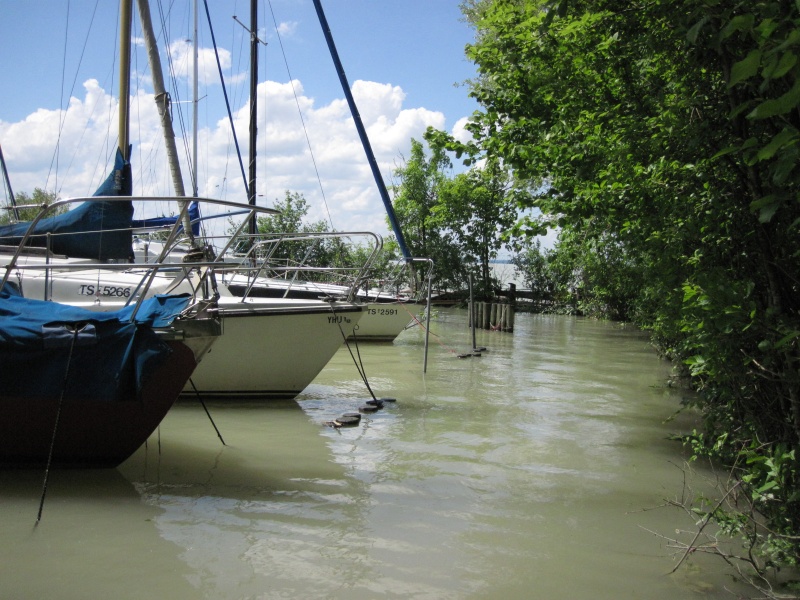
181,59
287,28
88,139
459,131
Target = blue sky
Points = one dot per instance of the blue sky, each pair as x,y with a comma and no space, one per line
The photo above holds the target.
404,60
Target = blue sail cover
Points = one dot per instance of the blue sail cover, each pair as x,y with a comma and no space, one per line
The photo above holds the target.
93,230
194,219
42,355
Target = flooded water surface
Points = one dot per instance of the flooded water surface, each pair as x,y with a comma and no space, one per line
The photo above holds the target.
533,471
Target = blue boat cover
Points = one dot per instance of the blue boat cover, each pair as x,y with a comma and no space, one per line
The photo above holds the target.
47,348
103,226
194,219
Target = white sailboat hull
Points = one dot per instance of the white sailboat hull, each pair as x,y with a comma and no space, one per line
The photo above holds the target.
383,319
271,353
383,322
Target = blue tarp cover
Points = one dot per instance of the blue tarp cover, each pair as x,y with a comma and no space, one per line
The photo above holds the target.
102,218
194,219
40,354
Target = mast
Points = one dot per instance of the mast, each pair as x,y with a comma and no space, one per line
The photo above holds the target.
362,132
162,102
126,15
194,105
7,183
253,107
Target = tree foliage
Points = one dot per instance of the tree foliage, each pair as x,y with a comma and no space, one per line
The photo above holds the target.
457,220
416,194
30,205
341,255
290,220
661,137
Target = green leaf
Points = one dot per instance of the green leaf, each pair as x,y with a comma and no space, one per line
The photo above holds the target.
785,64
766,207
737,23
786,339
785,137
695,30
745,68
767,486
778,106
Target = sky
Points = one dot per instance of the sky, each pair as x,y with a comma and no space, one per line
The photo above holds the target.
404,60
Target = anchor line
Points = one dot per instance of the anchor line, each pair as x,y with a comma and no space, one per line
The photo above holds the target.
208,414
55,425
358,363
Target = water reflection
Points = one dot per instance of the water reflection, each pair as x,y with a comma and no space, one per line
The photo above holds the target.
523,473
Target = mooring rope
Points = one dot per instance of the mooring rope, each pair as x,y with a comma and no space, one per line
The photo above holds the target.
55,425
208,414
358,363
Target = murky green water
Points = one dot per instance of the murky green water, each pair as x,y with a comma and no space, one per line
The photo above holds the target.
533,471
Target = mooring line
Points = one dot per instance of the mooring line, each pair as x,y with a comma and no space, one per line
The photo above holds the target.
359,365
208,414
55,425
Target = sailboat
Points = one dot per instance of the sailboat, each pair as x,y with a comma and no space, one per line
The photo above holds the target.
386,314
81,388
269,348
86,389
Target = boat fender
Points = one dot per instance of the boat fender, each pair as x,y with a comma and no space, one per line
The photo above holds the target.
378,403
367,408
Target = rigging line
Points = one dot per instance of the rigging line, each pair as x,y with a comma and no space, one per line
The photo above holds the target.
173,80
360,362
208,414
63,115
7,187
225,93
176,91
300,114
426,329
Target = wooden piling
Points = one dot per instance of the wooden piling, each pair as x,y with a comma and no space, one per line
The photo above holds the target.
498,316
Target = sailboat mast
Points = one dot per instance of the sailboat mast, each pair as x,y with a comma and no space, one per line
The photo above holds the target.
195,102
161,96
126,16
253,107
7,183
362,132
162,102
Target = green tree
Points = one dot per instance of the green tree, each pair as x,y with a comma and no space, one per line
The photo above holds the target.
661,137
30,206
290,219
416,194
473,213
